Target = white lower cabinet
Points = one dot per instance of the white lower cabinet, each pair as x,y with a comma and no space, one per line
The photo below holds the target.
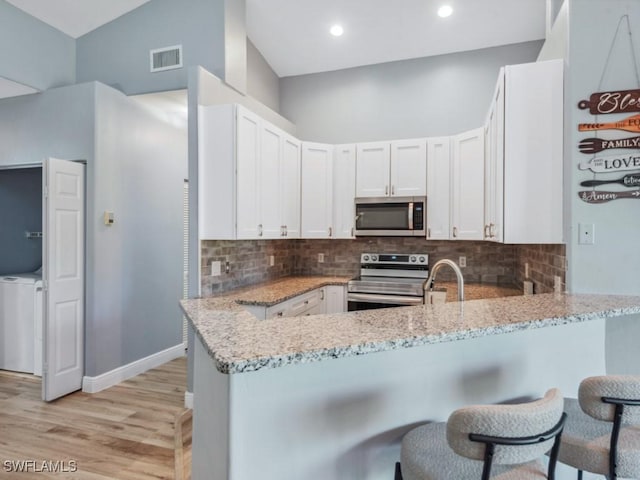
316,190
329,299
336,298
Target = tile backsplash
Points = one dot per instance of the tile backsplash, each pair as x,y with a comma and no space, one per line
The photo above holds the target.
487,262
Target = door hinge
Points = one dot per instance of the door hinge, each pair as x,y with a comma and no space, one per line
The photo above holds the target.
46,192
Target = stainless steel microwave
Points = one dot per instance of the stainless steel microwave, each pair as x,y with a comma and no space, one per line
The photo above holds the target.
391,216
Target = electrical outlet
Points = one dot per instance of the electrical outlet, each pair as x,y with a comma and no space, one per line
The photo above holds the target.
272,260
526,270
215,268
462,261
321,258
557,284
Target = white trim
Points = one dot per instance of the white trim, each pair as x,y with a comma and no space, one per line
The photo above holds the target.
188,400
120,374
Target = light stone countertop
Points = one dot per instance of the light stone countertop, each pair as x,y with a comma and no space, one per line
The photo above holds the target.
239,342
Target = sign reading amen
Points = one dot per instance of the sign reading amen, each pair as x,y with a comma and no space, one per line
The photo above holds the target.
612,102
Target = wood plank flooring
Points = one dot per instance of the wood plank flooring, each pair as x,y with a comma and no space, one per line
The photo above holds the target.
123,433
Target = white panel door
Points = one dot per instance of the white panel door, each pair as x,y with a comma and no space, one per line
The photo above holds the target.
344,191
248,175
467,216
63,275
269,199
316,190
373,162
409,168
438,188
290,186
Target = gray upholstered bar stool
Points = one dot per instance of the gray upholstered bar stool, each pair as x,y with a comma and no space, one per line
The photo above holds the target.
602,432
501,442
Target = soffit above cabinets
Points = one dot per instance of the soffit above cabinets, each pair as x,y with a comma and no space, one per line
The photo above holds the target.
293,35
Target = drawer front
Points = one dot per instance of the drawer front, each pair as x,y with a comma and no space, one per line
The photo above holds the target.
305,302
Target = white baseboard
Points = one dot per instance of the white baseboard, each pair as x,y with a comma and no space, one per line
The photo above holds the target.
188,400
120,374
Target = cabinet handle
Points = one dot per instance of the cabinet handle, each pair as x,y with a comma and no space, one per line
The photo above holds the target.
386,189
487,233
306,302
492,230
331,231
260,230
353,233
455,232
393,190
286,231
279,314
322,294
429,232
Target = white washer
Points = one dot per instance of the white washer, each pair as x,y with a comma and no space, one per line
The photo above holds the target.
19,308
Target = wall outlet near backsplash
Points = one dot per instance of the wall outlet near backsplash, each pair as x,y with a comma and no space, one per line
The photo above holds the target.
321,258
462,261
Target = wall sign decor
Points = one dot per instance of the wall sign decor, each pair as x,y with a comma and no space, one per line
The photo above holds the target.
595,145
630,124
613,163
592,196
612,102
629,180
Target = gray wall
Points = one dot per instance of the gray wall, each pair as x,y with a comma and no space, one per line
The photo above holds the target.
33,53
117,53
136,165
430,96
20,211
133,296
262,82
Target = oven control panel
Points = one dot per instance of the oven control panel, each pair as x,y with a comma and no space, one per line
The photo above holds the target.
394,259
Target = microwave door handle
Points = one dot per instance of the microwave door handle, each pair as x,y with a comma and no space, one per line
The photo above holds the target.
410,210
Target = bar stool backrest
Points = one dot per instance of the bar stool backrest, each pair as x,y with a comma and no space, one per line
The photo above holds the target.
515,421
622,387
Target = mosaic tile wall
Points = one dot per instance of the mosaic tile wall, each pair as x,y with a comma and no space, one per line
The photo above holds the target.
486,262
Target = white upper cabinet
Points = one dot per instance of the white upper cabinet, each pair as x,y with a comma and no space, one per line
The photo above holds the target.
409,168
391,169
317,190
523,160
249,176
438,188
344,191
290,186
467,207
533,160
494,166
373,167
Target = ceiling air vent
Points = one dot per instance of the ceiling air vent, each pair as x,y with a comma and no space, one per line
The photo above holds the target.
167,58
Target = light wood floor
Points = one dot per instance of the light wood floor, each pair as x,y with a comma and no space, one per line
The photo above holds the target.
124,433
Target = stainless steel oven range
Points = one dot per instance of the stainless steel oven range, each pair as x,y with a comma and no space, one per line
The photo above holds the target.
388,280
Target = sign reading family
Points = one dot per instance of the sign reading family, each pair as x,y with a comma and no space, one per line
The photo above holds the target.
612,102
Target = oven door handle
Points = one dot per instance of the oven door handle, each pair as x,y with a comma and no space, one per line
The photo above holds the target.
390,299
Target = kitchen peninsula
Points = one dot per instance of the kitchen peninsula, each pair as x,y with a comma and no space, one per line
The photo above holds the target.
330,396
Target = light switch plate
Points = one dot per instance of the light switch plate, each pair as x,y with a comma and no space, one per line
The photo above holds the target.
215,268
586,233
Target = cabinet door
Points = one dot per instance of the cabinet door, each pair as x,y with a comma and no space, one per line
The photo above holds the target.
533,147
248,175
467,216
494,165
438,188
336,299
270,176
372,169
316,190
290,187
409,168
344,190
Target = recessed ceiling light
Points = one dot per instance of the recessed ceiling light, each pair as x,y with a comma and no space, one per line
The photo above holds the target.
445,10
336,30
